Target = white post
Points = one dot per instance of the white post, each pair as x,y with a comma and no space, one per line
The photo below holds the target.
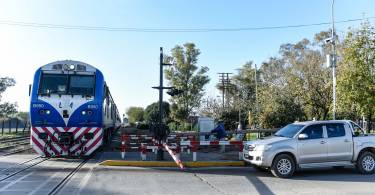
143,157
194,156
123,150
188,150
240,155
143,152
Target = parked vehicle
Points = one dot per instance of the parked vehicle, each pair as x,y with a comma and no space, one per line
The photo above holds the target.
313,144
71,108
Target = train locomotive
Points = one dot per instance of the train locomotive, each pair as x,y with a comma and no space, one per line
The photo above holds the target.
72,111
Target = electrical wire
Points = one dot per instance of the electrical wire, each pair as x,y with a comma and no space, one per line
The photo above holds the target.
161,30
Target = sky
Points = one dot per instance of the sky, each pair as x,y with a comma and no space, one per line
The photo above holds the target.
129,60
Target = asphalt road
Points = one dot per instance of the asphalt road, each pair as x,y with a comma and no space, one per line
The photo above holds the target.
245,180
94,179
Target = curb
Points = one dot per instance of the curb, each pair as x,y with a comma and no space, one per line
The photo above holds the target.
171,164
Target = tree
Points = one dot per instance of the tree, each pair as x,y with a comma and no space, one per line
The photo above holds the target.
186,76
210,107
292,86
356,83
307,78
278,105
23,115
6,109
135,114
151,114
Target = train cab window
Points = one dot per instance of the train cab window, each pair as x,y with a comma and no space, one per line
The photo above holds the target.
53,84
82,85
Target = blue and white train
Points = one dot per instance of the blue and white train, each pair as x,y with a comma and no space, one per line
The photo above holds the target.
72,111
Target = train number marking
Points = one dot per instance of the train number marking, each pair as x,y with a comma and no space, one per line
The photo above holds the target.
38,105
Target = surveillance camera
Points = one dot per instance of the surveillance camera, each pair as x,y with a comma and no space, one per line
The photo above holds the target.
328,40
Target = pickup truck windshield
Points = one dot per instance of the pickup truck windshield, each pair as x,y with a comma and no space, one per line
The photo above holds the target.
289,130
67,84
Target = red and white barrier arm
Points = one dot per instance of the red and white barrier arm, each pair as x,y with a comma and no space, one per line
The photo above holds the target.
178,161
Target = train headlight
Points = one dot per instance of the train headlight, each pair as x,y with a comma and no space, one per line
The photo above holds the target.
48,112
41,112
89,112
83,112
72,67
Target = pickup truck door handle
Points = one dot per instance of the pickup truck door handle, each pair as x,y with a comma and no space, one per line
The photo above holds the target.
346,140
323,142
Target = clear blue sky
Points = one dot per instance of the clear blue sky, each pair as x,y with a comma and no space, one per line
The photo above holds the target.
129,60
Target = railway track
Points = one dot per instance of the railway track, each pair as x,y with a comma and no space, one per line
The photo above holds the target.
64,169
16,145
14,139
20,167
66,179
15,152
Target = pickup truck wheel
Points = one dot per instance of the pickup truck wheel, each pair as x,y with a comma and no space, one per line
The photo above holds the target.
366,163
283,166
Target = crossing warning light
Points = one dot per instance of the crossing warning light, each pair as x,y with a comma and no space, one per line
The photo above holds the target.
173,92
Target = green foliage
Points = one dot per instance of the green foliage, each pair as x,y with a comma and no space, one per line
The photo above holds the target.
186,76
7,109
356,83
23,115
135,114
230,119
151,114
293,86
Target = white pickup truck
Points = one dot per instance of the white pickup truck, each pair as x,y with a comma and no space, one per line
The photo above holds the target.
313,144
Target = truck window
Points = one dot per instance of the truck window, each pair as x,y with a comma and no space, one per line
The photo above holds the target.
356,128
335,130
313,132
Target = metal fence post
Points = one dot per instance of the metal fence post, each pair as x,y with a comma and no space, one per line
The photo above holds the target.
2,128
24,127
17,125
10,125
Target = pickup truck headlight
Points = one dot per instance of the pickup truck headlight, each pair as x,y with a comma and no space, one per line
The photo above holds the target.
262,147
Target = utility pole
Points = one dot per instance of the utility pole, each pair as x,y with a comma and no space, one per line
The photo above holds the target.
256,96
225,82
333,42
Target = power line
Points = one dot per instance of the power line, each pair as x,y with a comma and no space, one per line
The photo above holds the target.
176,30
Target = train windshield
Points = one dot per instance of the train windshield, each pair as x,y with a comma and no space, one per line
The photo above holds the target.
52,83
82,85
67,84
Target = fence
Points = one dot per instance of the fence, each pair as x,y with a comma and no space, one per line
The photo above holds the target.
14,125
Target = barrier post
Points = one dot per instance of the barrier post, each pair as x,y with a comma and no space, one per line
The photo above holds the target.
240,153
143,152
194,148
123,137
178,151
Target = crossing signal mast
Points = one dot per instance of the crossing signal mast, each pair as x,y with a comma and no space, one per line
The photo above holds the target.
161,128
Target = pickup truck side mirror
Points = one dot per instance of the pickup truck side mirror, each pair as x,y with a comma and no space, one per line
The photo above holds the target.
302,136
